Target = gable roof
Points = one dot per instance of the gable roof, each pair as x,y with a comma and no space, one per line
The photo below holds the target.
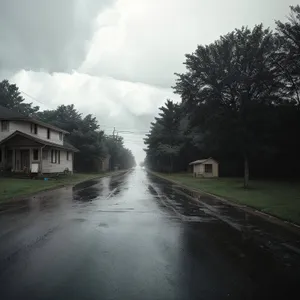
12,115
65,145
201,161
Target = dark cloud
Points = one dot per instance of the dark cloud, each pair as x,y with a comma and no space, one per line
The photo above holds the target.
127,106
145,40
46,35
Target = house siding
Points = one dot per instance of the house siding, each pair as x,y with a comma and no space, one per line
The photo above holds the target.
49,167
18,142
26,128
199,169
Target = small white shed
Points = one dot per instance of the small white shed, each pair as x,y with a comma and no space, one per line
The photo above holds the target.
205,167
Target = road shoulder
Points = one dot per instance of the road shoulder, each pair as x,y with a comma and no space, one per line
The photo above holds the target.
198,193
12,189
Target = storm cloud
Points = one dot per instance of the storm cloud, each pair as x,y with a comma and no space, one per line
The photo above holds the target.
52,36
114,58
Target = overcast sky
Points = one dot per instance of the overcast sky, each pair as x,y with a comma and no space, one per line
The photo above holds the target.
114,58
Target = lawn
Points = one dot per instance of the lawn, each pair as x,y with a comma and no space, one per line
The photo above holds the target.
281,199
11,187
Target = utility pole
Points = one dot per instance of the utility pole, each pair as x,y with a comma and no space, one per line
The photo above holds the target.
114,132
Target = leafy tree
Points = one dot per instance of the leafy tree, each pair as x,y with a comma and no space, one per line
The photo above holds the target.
231,83
239,104
64,116
10,97
166,138
84,135
288,54
119,155
84,132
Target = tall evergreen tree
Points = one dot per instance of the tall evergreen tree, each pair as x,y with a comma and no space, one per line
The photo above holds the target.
231,83
288,54
10,97
166,135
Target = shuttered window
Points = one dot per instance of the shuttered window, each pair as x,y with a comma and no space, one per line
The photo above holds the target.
55,156
35,154
4,125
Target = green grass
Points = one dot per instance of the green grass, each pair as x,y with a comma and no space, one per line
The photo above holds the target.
281,199
12,188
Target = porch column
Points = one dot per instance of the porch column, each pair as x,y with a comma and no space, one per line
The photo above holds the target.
14,159
2,155
30,159
73,154
41,160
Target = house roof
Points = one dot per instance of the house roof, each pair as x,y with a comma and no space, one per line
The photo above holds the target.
12,115
201,161
65,145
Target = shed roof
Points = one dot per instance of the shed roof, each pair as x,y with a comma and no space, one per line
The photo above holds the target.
201,161
10,114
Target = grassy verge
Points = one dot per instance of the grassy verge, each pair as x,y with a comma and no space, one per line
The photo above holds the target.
281,199
12,188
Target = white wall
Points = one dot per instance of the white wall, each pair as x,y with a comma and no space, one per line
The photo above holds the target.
49,167
199,169
26,128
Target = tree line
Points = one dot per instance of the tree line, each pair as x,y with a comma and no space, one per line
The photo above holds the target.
239,104
84,131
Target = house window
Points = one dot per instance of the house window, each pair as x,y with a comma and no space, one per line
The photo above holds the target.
55,156
60,136
69,155
208,168
4,125
45,154
48,134
35,154
34,128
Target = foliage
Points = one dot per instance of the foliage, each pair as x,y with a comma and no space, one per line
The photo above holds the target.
84,132
278,198
85,135
165,139
10,97
120,156
288,55
237,103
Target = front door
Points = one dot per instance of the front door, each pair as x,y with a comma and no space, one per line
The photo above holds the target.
25,161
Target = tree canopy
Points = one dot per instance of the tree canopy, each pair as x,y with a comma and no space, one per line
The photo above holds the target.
84,131
10,97
239,102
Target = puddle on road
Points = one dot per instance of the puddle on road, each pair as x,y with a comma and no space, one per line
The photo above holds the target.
85,184
261,232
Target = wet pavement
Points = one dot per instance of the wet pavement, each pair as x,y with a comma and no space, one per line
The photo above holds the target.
138,237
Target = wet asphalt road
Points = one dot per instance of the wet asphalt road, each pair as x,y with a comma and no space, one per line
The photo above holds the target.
130,237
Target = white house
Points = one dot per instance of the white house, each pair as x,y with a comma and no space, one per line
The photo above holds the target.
205,167
27,144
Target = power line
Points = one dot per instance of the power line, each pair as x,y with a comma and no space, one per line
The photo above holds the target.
125,131
35,99
134,132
